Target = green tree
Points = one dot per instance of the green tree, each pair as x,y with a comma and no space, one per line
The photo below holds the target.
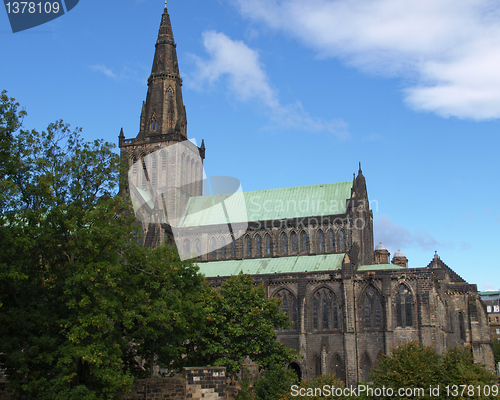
416,366
496,349
241,323
84,309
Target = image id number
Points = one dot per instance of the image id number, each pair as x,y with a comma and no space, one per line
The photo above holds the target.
31,7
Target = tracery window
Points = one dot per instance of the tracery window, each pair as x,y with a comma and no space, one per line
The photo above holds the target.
187,247
284,243
268,245
258,246
367,368
321,242
223,248
342,239
154,124
372,309
304,242
233,247
289,306
213,248
295,245
198,248
325,310
403,307
331,241
317,366
248,245
461,323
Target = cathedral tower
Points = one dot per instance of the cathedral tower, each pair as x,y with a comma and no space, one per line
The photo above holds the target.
165,169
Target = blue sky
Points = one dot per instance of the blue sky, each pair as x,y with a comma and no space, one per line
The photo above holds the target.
289,93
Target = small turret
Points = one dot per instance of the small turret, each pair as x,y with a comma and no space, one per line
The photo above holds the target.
400,259
382,255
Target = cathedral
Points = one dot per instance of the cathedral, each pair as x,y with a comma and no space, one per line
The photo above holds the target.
311,246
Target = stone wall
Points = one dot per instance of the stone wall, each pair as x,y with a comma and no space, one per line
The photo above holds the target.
207,383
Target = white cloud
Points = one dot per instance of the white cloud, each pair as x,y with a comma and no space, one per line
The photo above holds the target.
240,65
396,237
448,49
105,70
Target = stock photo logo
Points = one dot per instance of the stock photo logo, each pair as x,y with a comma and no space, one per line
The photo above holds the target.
172,196
28,14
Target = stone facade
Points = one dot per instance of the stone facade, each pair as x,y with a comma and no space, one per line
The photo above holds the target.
349,305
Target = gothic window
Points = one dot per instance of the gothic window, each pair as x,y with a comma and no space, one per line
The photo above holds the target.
187,247
213,248
338,367
367,368
372,309
304,241
403,307
321,242
163,160
134,166
153,161
198,249
154,124
295,246
325,310
331,241
317,366
461,323
248,245
170,93
144,184
284,243
268,245
233,247
342,239
258,246
223,248
289,305
154,178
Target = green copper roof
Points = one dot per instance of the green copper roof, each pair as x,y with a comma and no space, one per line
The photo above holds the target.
267,205
261,266
379,267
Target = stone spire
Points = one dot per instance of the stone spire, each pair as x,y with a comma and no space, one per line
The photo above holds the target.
164,112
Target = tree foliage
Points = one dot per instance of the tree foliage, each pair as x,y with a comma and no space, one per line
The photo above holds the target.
241,323
83,308
416,366
496,350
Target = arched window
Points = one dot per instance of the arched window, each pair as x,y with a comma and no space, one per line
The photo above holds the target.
317,366
367,368
154,124
154,162
338,367
403,307
233,247
170,93
289,305
304,242
284,243
258,246
321,242
461,323
342,239
154,178
248,245
295,244
187,247
331,241
372,309
223,248
268,245
163,160
325,310
144,184
213,248
198,248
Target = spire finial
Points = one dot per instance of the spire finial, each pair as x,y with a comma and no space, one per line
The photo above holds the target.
165,3
360,166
